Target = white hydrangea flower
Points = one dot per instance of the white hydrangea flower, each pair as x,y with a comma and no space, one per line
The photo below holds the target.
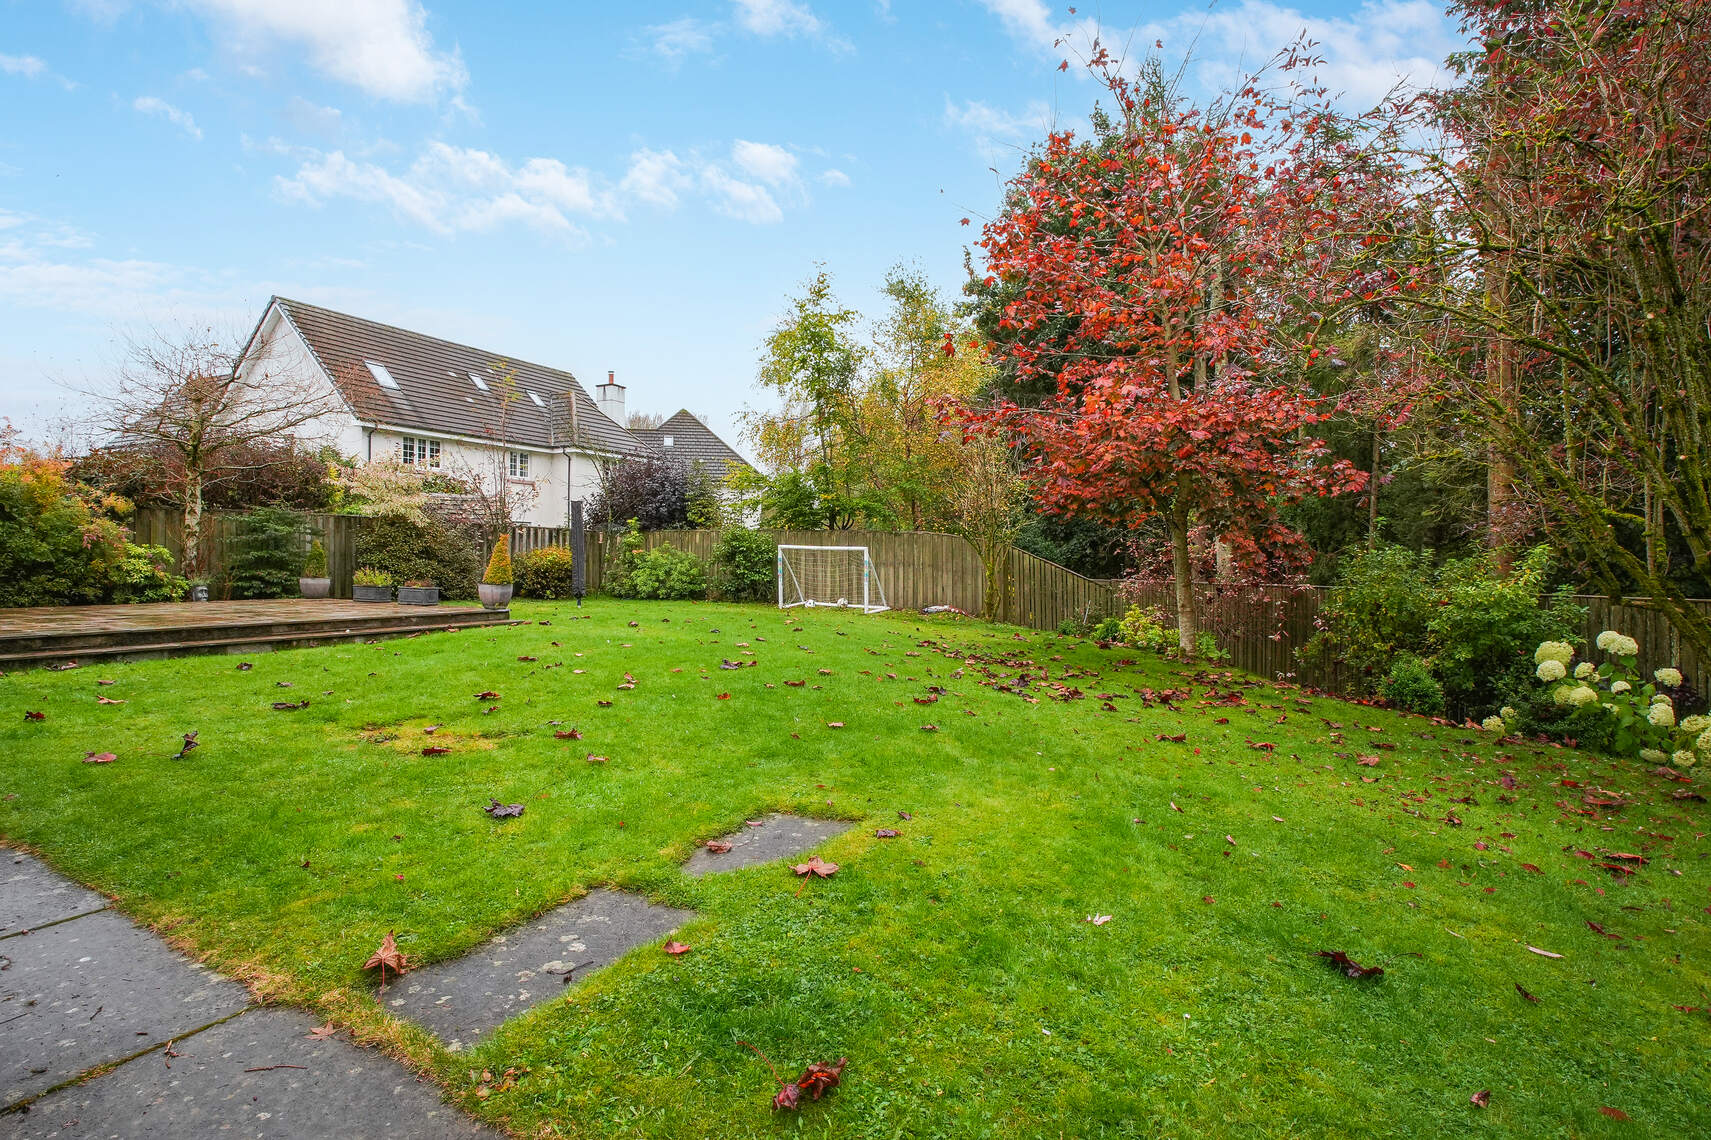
1703,744
1661,716
1584,670
1551,669
1670,677
1662,699
1620,686
1561,694
1508,713
1653,756
1553,651
1624,647
1492,724
1694,725
1603,641
1684,759
1582,695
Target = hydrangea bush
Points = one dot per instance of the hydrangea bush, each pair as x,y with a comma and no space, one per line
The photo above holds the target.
1643,716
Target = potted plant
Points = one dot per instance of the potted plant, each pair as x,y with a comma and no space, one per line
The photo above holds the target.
314,583
496,584
371,585
199,589
418,592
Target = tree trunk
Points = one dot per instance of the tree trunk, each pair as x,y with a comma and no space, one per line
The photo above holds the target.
1372,494
192,560
1187,620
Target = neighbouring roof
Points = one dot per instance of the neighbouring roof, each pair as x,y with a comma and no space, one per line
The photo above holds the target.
432,390
693,441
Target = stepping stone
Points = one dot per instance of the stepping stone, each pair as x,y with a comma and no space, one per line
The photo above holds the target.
93,991
31,895
778,837
462,999
340,1090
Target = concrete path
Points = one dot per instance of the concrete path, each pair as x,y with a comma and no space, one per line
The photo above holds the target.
185,1053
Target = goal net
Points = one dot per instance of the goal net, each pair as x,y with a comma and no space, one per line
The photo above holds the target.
841,576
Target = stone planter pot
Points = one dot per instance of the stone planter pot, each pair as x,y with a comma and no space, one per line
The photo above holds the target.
418,595
495,597
314,587
371,593
198,591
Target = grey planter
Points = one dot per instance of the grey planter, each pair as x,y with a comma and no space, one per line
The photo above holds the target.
418,595
198,591
371,593
495,597
314,587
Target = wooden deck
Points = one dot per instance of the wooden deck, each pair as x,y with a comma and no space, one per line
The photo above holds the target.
54,636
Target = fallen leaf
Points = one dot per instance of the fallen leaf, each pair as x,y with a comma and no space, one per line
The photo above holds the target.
100,700
1613,1113
593,759
487,695
35,716
816,866
388,957
288,706
503,811
435,750
887,833
189,743
1097,919
322,1032
905,816
834,724
1481,1099
1522,991
718,846
568,734
99,757
674,948
1349,966
1543,953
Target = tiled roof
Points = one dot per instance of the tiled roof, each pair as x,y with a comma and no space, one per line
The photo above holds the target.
693,441
435,393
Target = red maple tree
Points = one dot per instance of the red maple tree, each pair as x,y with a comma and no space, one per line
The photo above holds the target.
1161,279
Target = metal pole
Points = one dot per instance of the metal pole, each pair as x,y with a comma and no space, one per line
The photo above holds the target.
578,553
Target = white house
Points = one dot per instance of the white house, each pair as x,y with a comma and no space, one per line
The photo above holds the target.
440,404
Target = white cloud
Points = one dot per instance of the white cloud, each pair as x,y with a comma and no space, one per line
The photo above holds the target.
154,105
741,200
677,39
450,189
657,177
986,121
777,17
28,66
312,118
833,177
380,46
771,164
1366,53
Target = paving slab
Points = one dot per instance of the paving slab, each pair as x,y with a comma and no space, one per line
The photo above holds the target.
31,894
462,999
777,837
92,991
329,1088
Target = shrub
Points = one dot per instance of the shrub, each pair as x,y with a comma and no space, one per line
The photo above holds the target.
265,559
668,574
315,565
1146,629
662,493
546,573
1379,612
1108,630
745,565
1486,623
1069,627
499,565
145,574
1640,711
369,576
1410,685
55,549
428,549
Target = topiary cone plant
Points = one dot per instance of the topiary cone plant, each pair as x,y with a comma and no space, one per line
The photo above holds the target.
314,582
496,584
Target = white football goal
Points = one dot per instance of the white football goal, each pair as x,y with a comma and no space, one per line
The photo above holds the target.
841,576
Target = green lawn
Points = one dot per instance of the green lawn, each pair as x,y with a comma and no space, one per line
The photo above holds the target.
952,965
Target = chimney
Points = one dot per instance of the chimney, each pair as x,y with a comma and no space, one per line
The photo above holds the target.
610,397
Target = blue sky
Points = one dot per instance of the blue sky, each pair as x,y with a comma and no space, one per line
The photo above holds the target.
636,187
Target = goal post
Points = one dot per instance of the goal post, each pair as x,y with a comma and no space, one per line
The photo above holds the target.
839,576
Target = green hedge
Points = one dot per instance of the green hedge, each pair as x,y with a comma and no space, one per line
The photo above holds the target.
411,551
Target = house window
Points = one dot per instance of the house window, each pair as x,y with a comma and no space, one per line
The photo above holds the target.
381,376
519,465
668,441
425,452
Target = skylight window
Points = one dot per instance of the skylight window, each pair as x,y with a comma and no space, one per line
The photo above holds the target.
668,441
381,376
478,381
539,403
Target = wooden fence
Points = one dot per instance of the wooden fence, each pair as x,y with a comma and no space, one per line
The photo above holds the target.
1262,627
159,527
